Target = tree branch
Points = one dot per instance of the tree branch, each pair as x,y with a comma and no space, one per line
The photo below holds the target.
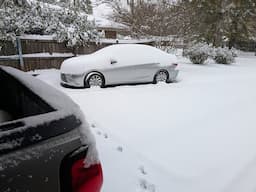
1,3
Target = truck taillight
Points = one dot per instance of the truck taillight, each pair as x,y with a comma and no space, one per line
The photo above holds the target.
86,179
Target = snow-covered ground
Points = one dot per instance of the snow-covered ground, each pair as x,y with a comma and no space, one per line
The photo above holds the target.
195,135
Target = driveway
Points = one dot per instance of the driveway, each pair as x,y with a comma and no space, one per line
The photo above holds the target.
195,135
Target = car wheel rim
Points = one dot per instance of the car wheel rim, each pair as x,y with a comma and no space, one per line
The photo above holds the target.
95,81
161,77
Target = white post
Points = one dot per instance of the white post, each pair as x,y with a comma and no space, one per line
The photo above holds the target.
19,48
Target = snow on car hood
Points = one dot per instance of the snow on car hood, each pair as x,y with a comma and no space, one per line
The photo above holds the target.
78,65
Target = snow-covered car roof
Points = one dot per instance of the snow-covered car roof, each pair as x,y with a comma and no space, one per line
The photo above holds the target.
126,54
129,47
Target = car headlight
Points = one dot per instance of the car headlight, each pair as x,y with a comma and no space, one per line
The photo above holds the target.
70,77
63,77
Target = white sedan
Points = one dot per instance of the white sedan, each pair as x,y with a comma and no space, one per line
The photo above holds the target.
119,64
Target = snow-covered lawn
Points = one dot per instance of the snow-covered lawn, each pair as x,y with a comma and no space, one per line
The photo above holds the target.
196,135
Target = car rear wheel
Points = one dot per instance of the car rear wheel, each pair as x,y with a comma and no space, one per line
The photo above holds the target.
95,80
161,76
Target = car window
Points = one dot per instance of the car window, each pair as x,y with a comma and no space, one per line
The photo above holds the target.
131,55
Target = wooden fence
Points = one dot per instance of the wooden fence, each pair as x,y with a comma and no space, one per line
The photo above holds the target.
246,46
9,55
44,53
34,63
30,46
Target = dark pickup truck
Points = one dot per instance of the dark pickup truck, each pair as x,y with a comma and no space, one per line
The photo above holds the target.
45,142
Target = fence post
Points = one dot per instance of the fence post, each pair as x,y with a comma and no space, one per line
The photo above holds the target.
19,48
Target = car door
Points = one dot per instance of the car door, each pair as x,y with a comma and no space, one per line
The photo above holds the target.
136,67
144,63
120,70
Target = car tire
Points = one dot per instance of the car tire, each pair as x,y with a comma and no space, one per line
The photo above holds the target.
94,80
161,76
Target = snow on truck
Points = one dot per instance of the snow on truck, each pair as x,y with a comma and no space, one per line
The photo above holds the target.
45,142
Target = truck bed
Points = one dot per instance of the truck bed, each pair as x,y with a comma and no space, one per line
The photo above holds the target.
43,133
29,107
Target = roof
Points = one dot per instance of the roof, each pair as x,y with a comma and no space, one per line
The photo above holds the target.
101,13
103,23
126,41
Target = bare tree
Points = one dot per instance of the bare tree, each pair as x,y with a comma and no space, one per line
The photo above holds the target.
216,21
1,3
143,17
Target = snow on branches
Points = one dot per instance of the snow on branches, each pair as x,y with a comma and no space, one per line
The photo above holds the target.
65,25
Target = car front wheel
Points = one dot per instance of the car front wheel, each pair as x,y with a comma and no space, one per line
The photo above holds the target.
95,80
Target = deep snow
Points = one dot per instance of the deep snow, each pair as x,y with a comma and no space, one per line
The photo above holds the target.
195,135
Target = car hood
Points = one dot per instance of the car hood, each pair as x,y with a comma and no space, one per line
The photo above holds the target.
80,64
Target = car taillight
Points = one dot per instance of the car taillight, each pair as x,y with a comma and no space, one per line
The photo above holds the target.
174,64
86,179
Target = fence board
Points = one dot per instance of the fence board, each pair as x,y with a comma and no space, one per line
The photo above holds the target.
30,46
246,46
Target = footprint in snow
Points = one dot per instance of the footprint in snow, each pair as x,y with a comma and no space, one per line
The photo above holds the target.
98,132
144,186
120,149
142,170
93,125
105,135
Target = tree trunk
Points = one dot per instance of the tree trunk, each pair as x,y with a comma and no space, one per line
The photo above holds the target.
230,43
255,48
132,6
1,3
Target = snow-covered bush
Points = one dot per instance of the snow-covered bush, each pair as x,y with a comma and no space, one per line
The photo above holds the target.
75,29
65,25
168,49
164,44
198,53
223,55
234,52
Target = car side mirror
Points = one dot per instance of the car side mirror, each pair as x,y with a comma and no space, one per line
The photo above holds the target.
113,61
